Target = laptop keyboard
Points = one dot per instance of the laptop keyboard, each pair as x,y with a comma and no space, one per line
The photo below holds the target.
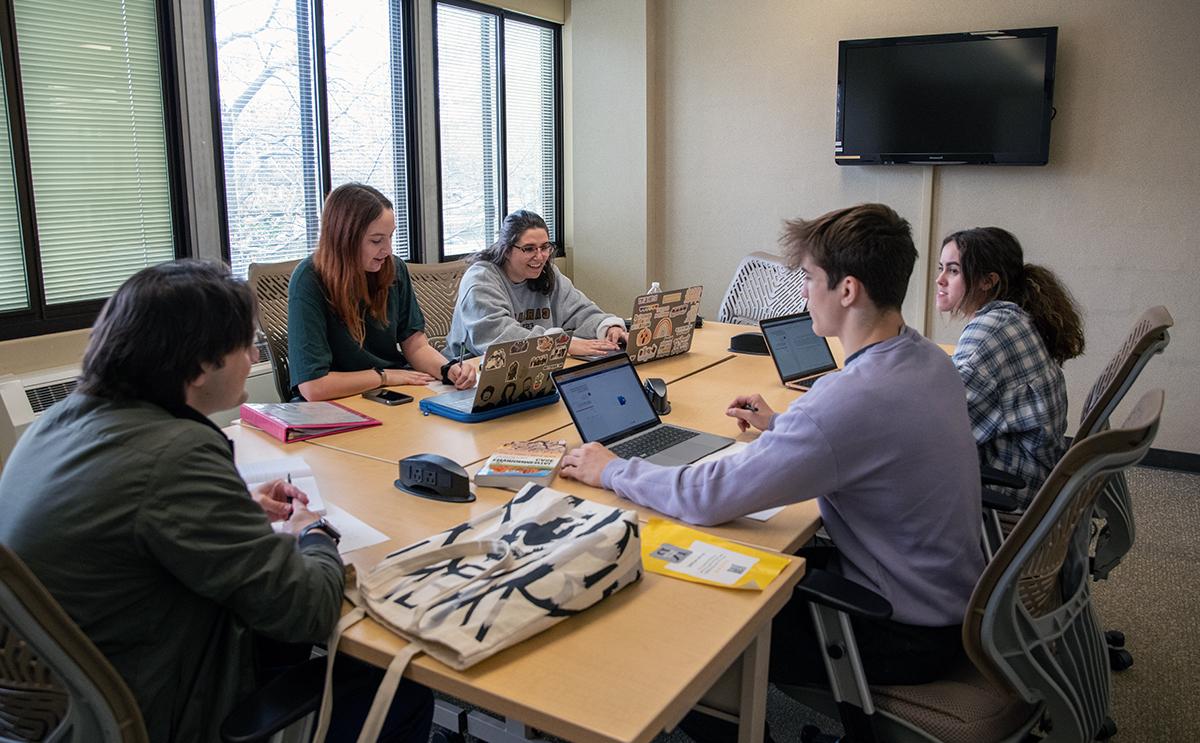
462,400
652,442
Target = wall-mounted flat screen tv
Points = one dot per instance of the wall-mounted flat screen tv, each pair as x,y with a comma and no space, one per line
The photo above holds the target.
971,98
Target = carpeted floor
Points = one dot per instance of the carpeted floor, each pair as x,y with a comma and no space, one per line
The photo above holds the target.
1153,596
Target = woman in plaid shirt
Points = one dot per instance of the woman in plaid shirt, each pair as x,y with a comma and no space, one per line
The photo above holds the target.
1023,325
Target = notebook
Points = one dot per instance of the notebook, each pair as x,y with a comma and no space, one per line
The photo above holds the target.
513,376
801,356
662,324
607,404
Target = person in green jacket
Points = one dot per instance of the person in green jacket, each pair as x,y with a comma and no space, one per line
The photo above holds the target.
125,502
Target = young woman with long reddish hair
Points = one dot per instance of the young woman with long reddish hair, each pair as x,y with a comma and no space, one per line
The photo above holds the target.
353,320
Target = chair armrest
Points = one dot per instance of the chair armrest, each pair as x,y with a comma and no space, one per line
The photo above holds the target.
836,592
284,699
999,501
993,476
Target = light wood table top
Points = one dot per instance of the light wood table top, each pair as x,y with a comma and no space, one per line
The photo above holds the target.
406,431
624,670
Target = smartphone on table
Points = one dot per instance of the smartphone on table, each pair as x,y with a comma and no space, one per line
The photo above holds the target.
387,397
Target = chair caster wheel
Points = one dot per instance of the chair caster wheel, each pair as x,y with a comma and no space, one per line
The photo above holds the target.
1115,638
1119,659
1107,730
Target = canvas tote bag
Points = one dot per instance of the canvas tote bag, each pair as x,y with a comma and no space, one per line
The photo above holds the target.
486,584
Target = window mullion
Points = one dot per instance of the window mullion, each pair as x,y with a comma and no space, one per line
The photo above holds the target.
22,174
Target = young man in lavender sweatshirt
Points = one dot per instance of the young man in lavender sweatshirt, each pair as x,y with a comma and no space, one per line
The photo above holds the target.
884,445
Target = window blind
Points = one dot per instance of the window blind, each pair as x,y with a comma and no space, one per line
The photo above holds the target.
468,126
529,102
364,69
92,89
268,131
14,294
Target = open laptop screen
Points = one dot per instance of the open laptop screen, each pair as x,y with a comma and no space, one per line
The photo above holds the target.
605,399
798,351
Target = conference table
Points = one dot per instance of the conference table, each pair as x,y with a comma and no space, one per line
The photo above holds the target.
626,669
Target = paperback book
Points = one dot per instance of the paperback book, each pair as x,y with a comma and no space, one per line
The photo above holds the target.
518,462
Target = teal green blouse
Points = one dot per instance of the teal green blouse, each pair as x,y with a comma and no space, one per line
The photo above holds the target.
319,342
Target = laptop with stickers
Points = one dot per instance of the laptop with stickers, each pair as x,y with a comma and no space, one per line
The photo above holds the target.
513,376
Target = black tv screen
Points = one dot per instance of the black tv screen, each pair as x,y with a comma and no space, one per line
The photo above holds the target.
982,97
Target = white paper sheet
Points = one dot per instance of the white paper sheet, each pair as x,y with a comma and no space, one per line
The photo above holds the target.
356,533
258,473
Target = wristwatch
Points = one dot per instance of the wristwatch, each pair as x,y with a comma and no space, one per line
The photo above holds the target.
446,371
324,526
382,376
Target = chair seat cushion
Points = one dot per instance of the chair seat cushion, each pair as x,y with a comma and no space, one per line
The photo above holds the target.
964,707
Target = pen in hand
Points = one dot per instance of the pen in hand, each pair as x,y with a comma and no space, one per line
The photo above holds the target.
750,406
289,481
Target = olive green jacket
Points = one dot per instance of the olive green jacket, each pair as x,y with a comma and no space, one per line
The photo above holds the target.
137,521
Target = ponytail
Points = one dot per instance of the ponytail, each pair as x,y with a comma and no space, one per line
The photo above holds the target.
1054,313
985,251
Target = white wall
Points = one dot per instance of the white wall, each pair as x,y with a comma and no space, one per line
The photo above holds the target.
609,140
741,137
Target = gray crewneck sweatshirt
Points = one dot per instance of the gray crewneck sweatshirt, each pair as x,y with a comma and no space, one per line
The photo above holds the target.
491,309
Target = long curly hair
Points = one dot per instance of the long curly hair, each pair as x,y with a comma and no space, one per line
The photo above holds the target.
349,211
511,229
984,251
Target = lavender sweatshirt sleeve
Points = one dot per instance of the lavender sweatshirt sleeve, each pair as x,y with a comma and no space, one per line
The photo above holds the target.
791,462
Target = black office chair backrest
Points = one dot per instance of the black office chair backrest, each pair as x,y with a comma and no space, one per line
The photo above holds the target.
52,678
1030,626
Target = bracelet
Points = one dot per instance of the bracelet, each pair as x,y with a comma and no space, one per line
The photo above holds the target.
382,376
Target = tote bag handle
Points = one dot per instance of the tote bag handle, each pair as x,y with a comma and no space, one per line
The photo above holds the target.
374,587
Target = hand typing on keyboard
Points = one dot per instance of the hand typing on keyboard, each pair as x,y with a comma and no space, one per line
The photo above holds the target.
587,463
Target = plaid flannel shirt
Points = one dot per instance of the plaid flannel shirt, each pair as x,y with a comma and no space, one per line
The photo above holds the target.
1016,394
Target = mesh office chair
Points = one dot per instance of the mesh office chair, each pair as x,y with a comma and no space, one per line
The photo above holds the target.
436,287
1037,654
56,686
269,281
762,287
1114,509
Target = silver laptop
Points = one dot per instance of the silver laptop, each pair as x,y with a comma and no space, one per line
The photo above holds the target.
663,324
607,404
800,355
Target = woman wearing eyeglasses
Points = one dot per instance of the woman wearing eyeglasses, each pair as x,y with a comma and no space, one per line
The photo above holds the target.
513,291
353,320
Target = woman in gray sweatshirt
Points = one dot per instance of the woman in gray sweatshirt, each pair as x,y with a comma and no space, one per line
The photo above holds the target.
513,291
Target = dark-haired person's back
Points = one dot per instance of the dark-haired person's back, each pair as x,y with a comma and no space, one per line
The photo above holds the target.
125,502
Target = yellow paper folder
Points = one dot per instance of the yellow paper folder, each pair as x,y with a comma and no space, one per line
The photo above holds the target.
680,552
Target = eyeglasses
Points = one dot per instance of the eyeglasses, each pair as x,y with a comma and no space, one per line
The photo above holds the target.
546,248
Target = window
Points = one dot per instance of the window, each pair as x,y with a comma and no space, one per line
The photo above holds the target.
85,188
498,82
295,123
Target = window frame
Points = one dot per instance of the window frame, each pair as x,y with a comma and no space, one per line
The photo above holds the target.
40,318
502,16
314,17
